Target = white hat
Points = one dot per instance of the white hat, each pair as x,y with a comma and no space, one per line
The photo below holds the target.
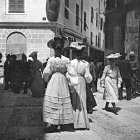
117,55
110,56
132,53
113,56
77,46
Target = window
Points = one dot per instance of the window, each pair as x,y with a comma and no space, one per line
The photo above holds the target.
66,9
97,20
101,24
91,14
96,41
85,24
99,40
16,6
77,15
91,35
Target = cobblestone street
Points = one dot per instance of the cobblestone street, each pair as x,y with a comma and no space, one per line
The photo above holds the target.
21,119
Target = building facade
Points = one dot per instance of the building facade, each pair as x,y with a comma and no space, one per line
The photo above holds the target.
115,26
25,25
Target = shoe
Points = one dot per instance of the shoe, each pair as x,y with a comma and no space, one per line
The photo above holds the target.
115,111
107,108
51,129
120,98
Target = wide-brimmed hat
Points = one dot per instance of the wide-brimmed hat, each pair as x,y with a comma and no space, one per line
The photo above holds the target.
131,53
58,40
33,53
77,45
113,56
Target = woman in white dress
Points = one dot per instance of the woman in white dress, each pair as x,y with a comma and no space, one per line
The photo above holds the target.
112,81
57,108
78,96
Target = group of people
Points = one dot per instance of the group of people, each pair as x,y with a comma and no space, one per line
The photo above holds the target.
129,67
67,85
65,99
23,74
118,73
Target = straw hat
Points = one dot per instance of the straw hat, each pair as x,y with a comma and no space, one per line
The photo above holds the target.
113,56
76,45
117,55
131,53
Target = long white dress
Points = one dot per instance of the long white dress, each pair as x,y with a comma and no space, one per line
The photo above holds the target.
79,96
57,108
112,79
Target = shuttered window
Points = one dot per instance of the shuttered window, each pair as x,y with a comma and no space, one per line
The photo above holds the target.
92,15
66,9
77,15
85,24
16,6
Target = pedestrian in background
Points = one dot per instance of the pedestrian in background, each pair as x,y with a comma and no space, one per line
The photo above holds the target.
37,83
112,81
126,74
7,72
15,74
135,67
90,87
24,65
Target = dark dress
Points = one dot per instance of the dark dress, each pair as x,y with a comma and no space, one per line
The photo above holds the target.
90,89
37,85
7,74
25,75
15,76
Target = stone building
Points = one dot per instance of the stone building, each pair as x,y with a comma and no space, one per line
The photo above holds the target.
27,25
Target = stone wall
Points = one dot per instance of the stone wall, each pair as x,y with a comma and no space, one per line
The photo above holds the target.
36,41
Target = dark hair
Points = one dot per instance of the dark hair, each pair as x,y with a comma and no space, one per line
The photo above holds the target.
58,43
13,56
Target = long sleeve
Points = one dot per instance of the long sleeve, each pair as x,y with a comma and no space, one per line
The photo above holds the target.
119,78
72,75
47,72
88,76
104,73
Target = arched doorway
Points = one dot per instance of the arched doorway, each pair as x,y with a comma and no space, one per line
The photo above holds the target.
16,43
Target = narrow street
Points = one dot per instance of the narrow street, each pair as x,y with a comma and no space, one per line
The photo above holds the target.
21,119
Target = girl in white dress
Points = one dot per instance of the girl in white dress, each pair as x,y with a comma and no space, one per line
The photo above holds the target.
112,81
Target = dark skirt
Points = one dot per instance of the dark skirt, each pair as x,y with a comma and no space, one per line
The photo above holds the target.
91,102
